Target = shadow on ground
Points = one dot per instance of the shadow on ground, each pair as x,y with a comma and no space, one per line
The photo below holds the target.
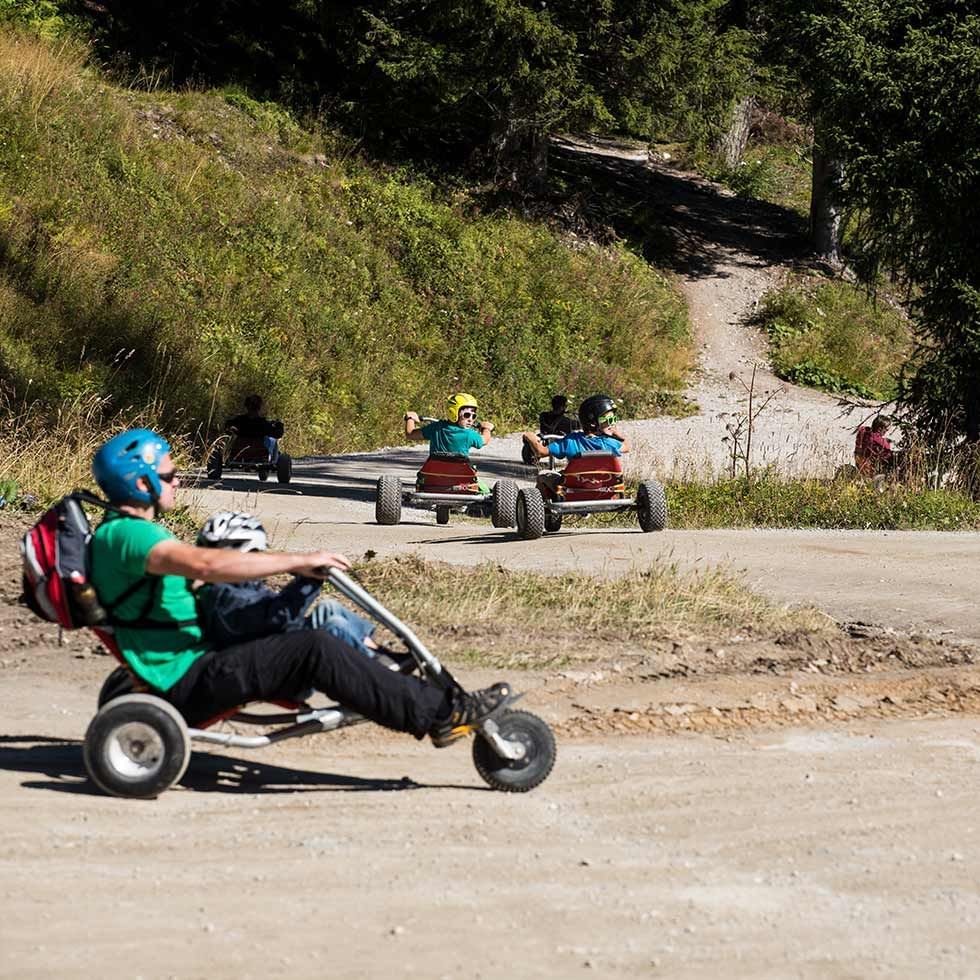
676,220
60,760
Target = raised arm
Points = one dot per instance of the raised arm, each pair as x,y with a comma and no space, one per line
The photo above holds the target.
413,427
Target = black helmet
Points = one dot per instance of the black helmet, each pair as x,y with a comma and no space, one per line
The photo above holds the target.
592,408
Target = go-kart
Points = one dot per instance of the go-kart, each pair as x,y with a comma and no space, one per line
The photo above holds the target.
590,484
446,482
139,745
249,455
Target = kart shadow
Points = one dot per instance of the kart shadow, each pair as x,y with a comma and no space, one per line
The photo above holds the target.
60,760
509,537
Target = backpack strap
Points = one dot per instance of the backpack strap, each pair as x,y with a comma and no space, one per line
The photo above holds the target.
142,621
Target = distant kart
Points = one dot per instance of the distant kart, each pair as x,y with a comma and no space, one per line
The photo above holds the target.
446,482
249,455
590,484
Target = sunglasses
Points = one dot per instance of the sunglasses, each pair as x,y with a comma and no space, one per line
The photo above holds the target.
610,418
168,477
467,414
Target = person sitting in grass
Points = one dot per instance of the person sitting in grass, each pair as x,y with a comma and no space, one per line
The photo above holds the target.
597,416
873,451
457,434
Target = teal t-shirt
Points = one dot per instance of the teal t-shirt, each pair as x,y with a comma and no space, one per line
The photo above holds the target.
160,656
448,437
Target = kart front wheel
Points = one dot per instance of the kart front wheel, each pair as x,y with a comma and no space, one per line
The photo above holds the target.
503,503
284,468
263,472
517,775
136,747
442,515
651,506
552,522
529,514
388,500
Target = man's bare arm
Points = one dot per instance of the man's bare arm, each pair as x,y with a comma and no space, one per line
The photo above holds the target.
221,565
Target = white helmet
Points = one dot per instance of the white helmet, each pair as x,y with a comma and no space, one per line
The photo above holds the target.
233,529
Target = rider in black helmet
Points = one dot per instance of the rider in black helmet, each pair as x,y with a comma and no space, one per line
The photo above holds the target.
597,416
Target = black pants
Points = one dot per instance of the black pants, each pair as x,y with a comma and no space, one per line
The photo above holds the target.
287,665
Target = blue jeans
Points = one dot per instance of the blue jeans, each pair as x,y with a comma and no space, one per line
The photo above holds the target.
339,621
272,445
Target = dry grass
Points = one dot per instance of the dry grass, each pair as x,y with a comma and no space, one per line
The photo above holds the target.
495,617
32,75
47,454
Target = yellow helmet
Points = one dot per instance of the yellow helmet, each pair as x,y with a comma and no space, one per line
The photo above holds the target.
460,400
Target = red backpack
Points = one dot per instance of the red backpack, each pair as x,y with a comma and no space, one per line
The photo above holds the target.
57,583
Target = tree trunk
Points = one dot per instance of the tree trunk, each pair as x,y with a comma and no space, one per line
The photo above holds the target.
825,209
731,147
519,152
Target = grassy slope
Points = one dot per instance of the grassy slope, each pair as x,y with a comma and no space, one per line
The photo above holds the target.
171,251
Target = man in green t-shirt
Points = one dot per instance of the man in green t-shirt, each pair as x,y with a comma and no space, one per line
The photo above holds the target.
458,434
143,573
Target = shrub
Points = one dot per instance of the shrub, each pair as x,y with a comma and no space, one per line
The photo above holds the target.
827,334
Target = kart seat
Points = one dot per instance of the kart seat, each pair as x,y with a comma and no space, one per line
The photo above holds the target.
246,449
123,680
447,473
593,476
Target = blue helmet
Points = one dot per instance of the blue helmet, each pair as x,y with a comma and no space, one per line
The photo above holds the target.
120,463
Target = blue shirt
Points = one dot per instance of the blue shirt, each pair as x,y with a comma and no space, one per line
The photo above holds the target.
576,443
448,437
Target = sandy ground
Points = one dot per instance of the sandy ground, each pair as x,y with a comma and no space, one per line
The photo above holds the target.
846,850
810,813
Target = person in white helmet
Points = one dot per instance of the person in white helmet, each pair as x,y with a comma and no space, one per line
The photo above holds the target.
233,612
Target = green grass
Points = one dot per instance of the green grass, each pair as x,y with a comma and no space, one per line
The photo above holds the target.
828,334
841,504
180,249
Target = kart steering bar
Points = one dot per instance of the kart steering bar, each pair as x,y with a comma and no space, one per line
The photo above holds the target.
357,594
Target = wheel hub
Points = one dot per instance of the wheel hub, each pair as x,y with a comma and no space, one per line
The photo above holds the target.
135,750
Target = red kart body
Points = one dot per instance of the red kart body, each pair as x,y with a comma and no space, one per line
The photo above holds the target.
447,474
593,476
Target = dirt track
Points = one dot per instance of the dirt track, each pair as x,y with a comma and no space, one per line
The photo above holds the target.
814,817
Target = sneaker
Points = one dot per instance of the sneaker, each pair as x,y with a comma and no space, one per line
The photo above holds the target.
469,711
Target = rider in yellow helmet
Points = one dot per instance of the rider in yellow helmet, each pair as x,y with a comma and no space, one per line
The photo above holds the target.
459,433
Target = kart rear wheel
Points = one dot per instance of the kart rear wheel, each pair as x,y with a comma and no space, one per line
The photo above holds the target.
263,472
552,521
517,775
136,747
651,506
284,468
215,464
529,514
503,503
388,500
442,515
